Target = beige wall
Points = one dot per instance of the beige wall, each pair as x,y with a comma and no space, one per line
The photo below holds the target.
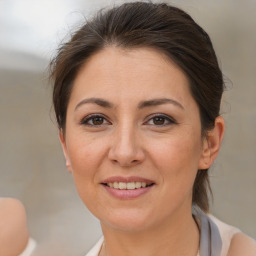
32,166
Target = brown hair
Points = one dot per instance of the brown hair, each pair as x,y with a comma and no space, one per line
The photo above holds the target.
159,26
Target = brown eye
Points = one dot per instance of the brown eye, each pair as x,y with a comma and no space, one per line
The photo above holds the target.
95,120
159,120
98,120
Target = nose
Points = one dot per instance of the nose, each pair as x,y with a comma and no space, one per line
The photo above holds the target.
126,147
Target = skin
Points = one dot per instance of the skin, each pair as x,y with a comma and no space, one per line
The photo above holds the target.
13,227
241,244
130,141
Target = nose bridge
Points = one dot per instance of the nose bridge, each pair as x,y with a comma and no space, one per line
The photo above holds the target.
126,148
126,138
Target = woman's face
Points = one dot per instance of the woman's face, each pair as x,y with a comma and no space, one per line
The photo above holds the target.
133,138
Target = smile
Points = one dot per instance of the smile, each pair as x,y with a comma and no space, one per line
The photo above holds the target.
127,188
128,185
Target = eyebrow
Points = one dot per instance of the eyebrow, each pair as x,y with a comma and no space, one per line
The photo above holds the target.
157,102
144,104
101,102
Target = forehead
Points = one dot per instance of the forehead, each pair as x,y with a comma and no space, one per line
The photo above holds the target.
138,73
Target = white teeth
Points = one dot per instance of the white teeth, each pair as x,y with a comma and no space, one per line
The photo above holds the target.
130,185
127,185
116,185
122,185
138,184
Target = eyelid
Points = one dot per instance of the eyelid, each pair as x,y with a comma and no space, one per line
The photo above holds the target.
167,117
84,120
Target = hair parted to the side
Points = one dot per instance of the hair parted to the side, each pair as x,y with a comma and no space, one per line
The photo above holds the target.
157,26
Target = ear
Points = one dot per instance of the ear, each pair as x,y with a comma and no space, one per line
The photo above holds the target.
211,144
65,151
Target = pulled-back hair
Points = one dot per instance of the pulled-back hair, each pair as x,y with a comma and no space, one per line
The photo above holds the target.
158,26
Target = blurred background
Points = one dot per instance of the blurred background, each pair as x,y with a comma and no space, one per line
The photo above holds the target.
32,167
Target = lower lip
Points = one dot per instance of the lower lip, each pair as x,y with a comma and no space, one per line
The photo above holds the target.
128,193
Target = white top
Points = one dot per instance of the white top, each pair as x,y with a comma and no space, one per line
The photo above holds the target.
96,248
30,248
226,233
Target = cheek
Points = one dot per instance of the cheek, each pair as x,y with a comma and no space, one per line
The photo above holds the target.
181,151
88,154
85,159
177,161
85,155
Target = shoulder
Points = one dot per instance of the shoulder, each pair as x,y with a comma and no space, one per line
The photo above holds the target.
242,244
234,242
226,231
13,226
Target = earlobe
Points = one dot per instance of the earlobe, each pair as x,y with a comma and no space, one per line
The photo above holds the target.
65,151
211,144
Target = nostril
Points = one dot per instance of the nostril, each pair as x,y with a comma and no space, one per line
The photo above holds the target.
125,163
126,155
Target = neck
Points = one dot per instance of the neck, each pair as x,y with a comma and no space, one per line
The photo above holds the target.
175,236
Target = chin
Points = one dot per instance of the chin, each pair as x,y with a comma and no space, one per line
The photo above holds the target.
127,221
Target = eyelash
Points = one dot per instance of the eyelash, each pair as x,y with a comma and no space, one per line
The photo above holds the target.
90,118
87,119
167,120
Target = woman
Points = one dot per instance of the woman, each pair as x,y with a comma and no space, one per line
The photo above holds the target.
137,94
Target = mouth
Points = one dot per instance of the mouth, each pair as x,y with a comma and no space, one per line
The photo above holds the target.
128,185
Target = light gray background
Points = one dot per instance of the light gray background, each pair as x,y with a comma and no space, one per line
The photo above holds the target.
32,167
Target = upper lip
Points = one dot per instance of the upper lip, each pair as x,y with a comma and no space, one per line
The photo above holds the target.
127,179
